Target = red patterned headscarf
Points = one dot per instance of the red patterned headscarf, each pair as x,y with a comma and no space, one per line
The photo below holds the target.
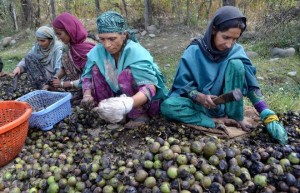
78,34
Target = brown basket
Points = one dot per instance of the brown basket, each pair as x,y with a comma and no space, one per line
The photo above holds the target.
14,123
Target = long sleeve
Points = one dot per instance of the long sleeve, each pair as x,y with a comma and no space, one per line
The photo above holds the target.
22,64
86,77
57,62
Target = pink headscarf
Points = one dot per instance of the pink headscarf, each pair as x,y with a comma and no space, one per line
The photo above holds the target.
78,34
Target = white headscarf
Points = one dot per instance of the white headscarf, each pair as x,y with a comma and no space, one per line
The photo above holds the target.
45,55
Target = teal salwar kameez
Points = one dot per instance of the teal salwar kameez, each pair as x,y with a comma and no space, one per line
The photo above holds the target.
185,110
213,65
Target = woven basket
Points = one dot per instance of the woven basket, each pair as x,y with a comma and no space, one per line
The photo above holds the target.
14,122
48,108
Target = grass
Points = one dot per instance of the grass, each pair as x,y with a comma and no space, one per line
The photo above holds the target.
281,91
168,65
13,54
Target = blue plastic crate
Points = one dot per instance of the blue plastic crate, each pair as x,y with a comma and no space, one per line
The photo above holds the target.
48,108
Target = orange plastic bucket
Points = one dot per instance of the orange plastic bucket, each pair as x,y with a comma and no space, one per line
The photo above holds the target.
14,123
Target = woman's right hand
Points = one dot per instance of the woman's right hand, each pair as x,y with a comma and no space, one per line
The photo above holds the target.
17,71
206,100
55,82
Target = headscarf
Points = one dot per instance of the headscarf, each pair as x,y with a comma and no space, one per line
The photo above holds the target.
223,14
113,22
45,55
78,34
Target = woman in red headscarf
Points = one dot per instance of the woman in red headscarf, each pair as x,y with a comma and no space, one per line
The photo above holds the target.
72,33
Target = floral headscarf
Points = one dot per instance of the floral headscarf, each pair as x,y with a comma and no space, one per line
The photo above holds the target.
113,22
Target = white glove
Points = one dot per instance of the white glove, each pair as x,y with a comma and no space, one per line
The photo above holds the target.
114,109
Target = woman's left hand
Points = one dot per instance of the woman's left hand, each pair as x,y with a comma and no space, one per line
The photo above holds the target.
206,100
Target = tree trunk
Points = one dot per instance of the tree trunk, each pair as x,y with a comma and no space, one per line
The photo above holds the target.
13,15
67,6
52,4
188,13
179,11
208,10
97,5
146,13
199,11
150,11
37,14
27,13
172,5
4,7
229,2
125,8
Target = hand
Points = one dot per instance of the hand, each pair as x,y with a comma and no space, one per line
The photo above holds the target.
55,82
245,125
275,129
114,109
87,102
17,71
206,100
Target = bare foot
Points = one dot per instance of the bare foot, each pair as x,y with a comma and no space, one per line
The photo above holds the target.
245,126
226,121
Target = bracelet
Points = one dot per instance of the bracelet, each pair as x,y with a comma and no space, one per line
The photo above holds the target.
62,84
193,95
72,84
87,95
271,118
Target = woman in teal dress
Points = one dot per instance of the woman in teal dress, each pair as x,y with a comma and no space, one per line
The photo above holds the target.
120,75
214,65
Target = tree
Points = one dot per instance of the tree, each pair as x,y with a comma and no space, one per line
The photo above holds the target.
67,5
208,10
188,16
147,13
178,7
229,2
97,5
125,8
37,14
27,13
13,15
52,4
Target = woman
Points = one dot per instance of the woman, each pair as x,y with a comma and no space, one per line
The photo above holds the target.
120,65
1,67
214,65
74,36
44,59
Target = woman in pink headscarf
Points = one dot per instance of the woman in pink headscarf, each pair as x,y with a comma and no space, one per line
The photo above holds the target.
72,33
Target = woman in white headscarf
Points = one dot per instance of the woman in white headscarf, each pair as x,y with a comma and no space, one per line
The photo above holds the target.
43,60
